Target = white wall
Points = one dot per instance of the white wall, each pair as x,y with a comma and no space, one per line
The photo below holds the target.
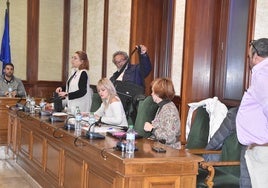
18,34
50,40
261,24
178,46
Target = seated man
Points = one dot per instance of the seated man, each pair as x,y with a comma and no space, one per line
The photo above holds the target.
134,73
9,84
129,78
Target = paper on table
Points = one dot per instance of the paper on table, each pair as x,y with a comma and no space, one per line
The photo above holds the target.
103,129
59,114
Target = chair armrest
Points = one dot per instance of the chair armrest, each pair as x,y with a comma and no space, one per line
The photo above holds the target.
205,164
209,165
203,151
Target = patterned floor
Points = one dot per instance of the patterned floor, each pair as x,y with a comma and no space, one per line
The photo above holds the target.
11,175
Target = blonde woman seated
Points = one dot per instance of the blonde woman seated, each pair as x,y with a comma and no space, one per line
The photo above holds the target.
111,110
166,125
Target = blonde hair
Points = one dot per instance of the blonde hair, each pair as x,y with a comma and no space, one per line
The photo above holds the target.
107,84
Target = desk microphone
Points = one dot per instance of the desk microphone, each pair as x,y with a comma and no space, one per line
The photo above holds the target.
67,125
20,99
19,105
92,135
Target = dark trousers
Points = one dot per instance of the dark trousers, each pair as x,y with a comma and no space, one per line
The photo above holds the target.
244,175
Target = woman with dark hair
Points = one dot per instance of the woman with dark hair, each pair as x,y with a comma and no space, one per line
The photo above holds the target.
166,125
77,91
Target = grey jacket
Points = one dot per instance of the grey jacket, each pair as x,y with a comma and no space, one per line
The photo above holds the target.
227,127
16,85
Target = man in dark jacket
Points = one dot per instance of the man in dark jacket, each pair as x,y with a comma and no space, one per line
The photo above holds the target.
129,78
134,73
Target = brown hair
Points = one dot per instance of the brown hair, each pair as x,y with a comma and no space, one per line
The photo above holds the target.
83,57
9,64
163,87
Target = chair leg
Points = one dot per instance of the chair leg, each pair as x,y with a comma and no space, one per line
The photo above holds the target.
211,174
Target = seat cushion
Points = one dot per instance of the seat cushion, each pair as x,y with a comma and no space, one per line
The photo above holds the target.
231,151
224,179
221,179
198,135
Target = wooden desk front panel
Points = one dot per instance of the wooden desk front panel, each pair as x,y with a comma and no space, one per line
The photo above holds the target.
97,176
73,171
25,140
12,132
4,102
57,162
52,160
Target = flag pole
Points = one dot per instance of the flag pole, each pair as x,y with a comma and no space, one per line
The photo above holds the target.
8,8
8,4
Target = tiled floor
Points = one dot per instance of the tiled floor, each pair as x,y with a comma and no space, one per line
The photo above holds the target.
12,175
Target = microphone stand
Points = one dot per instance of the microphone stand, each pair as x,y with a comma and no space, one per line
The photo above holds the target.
68,126
92,135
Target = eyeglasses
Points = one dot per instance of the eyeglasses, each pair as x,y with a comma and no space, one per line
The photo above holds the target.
120,61
251,43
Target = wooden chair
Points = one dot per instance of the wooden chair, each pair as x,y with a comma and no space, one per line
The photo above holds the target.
223,173
147,109
96,102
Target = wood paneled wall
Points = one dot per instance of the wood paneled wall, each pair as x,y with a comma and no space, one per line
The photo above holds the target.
152,24
198,53
205,53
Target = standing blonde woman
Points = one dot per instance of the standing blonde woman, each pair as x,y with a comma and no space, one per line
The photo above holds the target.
111,110
77,91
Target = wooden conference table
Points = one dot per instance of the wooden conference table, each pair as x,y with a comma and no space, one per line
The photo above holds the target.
51,156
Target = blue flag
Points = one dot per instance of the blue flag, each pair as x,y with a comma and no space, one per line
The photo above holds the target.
5,55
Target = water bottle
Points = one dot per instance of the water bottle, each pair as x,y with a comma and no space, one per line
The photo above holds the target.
130,138
91,119
42,104
32,106
78,119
